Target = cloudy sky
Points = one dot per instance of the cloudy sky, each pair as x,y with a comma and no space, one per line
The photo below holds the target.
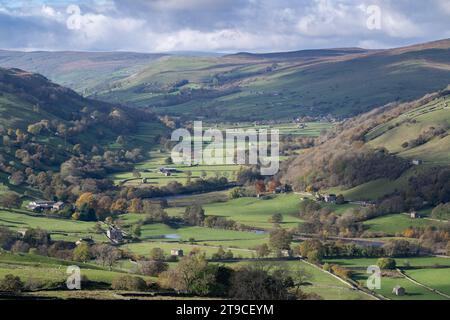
219,25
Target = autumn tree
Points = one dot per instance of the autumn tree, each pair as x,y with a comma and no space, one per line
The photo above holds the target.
276,218
82,253
441,212
194,215
104,204
10,200
136,174
273,185
157,254
136,230
260,187
136,206
85,198
106,255
262,250
280,239
387,263
152,268
17,178
119,206
154,212
12,284
193,274
86,207
310,245
256,282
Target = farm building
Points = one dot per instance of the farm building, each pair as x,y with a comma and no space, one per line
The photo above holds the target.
58,206
286,253
330,198
282,189
167,171
114,234
39,206
399,291
417,162
414,215
319,197
177,252
88,241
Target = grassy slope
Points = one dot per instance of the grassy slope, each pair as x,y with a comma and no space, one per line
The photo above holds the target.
256,212
396,223
391,134
59,228
33,267
295,86
27,98
328,287
424,270
80,71
438,279
394,133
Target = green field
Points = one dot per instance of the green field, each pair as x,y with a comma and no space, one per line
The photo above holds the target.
418,262
33,267
53,272
144,248
310,129
60,229
149,169
438,279
410,125
377,189
396,223
431,271
320,282
413,291
256,212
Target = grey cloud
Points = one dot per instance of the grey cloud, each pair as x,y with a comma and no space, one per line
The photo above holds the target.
218,25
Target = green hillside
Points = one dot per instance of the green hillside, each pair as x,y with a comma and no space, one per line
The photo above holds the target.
420,133
247,87
81,71
43,124
381,152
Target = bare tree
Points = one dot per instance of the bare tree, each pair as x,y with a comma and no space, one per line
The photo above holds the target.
106,255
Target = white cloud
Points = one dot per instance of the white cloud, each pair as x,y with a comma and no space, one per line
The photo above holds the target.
444,5
95,29
221,25
330,18
49,11
397,25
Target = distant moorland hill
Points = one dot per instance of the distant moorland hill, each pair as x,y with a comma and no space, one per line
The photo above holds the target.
246,86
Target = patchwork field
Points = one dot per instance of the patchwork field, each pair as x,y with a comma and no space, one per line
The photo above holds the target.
320,282
413,124
37,268
62,229
397,223
430,271
255,87
149,169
